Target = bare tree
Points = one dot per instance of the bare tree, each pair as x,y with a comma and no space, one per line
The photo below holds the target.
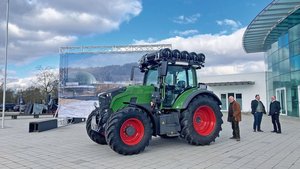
32,95
47,81
10,95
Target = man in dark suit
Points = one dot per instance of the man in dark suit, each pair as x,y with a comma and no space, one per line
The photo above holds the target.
257,109
274,113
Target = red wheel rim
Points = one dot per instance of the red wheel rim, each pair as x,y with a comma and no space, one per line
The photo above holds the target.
132,131
204,120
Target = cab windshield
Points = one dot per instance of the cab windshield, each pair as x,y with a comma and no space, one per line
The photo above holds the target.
180,76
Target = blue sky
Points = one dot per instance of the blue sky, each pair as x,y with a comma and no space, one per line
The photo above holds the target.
38,28
157,19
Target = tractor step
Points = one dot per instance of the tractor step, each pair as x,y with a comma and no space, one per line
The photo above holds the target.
169,124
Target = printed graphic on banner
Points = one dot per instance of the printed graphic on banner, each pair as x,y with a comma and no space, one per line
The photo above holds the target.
88,71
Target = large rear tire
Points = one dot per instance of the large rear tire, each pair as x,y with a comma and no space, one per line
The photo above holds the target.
128,131
97,137
201,121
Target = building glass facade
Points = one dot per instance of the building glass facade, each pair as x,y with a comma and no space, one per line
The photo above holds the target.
276,31
283,70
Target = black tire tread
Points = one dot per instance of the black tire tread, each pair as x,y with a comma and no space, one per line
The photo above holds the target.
95,136
188,132
114,123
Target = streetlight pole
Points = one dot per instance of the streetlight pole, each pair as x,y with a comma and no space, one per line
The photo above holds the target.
5,69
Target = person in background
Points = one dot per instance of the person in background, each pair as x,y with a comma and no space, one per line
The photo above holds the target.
274,113
234,116
257,109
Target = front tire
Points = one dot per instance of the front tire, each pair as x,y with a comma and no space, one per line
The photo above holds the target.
201,121
128,131
94,135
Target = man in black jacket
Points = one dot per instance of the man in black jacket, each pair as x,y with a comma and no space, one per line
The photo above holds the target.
274,113
257,109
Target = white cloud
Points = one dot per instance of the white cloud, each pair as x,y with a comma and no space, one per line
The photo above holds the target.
231,23
185,33
16,83
147,41
224,53
186,19
27,45
24,83
250,66
39,28
20,83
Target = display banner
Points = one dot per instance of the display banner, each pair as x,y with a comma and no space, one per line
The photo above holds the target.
87,71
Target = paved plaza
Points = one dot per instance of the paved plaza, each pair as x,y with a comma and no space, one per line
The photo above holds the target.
70,147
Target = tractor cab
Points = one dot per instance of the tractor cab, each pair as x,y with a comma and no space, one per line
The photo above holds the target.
178,79
171,72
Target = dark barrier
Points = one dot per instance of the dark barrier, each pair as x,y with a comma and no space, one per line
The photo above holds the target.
39,126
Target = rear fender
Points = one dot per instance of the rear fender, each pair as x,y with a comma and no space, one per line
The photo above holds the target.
201,92
183,104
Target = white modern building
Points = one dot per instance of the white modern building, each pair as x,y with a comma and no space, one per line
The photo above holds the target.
243,87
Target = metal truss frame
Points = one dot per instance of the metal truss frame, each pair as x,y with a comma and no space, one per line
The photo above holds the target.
112,49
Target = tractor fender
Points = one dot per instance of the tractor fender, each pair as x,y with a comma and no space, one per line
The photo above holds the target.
200,92
148,110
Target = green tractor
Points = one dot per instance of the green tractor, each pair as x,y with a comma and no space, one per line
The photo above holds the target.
170,103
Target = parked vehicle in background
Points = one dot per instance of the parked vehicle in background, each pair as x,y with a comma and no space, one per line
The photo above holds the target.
8,106
19,107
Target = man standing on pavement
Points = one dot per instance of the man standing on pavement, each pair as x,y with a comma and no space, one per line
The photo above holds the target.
257,109
274,113
234,116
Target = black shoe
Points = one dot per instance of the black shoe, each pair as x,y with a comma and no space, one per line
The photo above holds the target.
260,131
238,139
254,130
232,137
274,131
278,132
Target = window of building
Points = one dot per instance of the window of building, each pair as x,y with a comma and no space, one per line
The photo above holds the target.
284,66
283,40
294,33
275,57
238,98
224,102
224,99
275,70
274,47
230,94
294,47
283,53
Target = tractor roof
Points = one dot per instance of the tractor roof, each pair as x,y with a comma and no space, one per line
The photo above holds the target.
173,57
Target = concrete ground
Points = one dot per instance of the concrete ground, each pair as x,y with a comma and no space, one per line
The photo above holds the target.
70,147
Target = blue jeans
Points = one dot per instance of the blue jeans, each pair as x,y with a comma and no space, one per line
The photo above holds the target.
257,120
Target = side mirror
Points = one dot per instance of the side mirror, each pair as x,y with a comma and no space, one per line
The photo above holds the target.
163,68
